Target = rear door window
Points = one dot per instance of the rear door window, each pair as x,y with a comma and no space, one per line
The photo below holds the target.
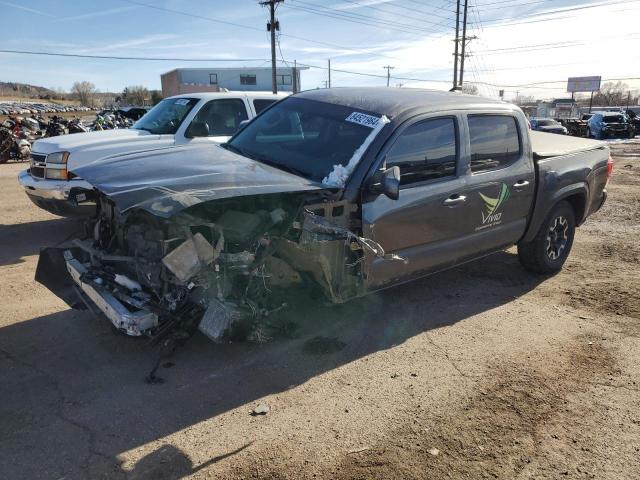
222,116
259,104
495,141
425,151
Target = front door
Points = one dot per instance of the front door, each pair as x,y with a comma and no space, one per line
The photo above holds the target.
425,223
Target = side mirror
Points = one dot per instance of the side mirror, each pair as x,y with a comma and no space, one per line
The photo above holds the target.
386,182
197,129
243,124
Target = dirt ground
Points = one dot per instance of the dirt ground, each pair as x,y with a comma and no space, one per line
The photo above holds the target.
484,371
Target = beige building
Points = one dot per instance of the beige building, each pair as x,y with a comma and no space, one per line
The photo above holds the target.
193,80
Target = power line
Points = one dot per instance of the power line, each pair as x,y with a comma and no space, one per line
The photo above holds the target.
333,69
114,57
248,27
358,18
562,10
403,15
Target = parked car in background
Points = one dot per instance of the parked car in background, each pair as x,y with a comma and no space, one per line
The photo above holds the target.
609,124
548,125
183,119
634,118
337,191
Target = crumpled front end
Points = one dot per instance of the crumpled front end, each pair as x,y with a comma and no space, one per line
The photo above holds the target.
224,266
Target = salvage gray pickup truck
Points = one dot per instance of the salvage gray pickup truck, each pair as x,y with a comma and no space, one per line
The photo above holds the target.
341,191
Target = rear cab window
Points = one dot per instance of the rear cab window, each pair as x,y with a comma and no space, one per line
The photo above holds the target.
495,142
259,104
425,151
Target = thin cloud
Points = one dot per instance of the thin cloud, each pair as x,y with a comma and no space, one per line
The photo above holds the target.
27,9
101,13
134,42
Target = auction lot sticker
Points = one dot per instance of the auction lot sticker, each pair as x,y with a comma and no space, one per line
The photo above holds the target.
363,119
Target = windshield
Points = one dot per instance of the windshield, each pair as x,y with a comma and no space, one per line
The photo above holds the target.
166,117
304,137
548,123
613,119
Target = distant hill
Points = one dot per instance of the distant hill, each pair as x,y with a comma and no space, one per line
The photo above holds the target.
28,91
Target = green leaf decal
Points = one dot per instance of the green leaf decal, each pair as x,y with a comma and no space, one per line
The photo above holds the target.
491,205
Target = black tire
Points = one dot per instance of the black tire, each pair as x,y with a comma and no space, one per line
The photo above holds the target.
551,246
588,133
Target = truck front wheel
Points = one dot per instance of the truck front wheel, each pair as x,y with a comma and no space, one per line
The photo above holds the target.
549,249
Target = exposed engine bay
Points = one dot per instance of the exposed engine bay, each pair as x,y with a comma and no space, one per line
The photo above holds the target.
223,266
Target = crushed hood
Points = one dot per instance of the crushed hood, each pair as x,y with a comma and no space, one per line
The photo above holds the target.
166,181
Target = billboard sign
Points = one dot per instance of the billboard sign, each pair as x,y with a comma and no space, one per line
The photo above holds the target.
583,84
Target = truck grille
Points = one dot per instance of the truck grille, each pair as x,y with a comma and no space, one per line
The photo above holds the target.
37,172
38,165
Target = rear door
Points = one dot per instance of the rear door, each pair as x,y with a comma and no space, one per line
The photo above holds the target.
500,181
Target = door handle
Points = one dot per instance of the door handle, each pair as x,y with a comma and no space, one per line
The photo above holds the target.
520,184
454,200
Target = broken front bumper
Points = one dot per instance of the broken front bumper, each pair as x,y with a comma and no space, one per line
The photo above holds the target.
132,322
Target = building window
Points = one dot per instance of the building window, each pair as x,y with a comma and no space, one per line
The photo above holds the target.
283,79
247,80
213,79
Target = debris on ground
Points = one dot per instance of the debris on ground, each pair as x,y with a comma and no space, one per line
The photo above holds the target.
261,409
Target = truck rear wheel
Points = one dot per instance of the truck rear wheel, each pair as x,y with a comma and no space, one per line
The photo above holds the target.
549,249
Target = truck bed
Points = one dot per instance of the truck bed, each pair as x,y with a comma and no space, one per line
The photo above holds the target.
547,145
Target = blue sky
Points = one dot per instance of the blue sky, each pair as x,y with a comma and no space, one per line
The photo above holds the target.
520,41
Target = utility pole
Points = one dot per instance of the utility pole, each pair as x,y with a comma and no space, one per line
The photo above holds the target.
464,41
329,70
457,41
295,77
389,68
272,26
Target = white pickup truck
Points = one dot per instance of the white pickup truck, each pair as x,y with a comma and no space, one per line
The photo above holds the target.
179,120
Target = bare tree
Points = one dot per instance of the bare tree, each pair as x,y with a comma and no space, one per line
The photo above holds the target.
156,96
84,91
470,89
614,94
524,100
134,95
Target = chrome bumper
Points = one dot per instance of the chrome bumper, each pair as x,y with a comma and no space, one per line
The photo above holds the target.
134,323
53,195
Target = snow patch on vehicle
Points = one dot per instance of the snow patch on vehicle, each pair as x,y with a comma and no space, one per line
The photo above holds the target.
340,173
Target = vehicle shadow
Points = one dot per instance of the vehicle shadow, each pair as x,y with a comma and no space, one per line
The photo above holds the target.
25,239
70,382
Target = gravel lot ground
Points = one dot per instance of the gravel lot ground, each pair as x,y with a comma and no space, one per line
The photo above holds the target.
482,372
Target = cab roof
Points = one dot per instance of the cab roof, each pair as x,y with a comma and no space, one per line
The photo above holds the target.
236,94
394,101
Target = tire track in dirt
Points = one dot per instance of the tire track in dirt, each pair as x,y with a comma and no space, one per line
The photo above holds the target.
498,433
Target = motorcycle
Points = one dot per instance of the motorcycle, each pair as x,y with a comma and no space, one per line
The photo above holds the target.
76,126
55,127
12,145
